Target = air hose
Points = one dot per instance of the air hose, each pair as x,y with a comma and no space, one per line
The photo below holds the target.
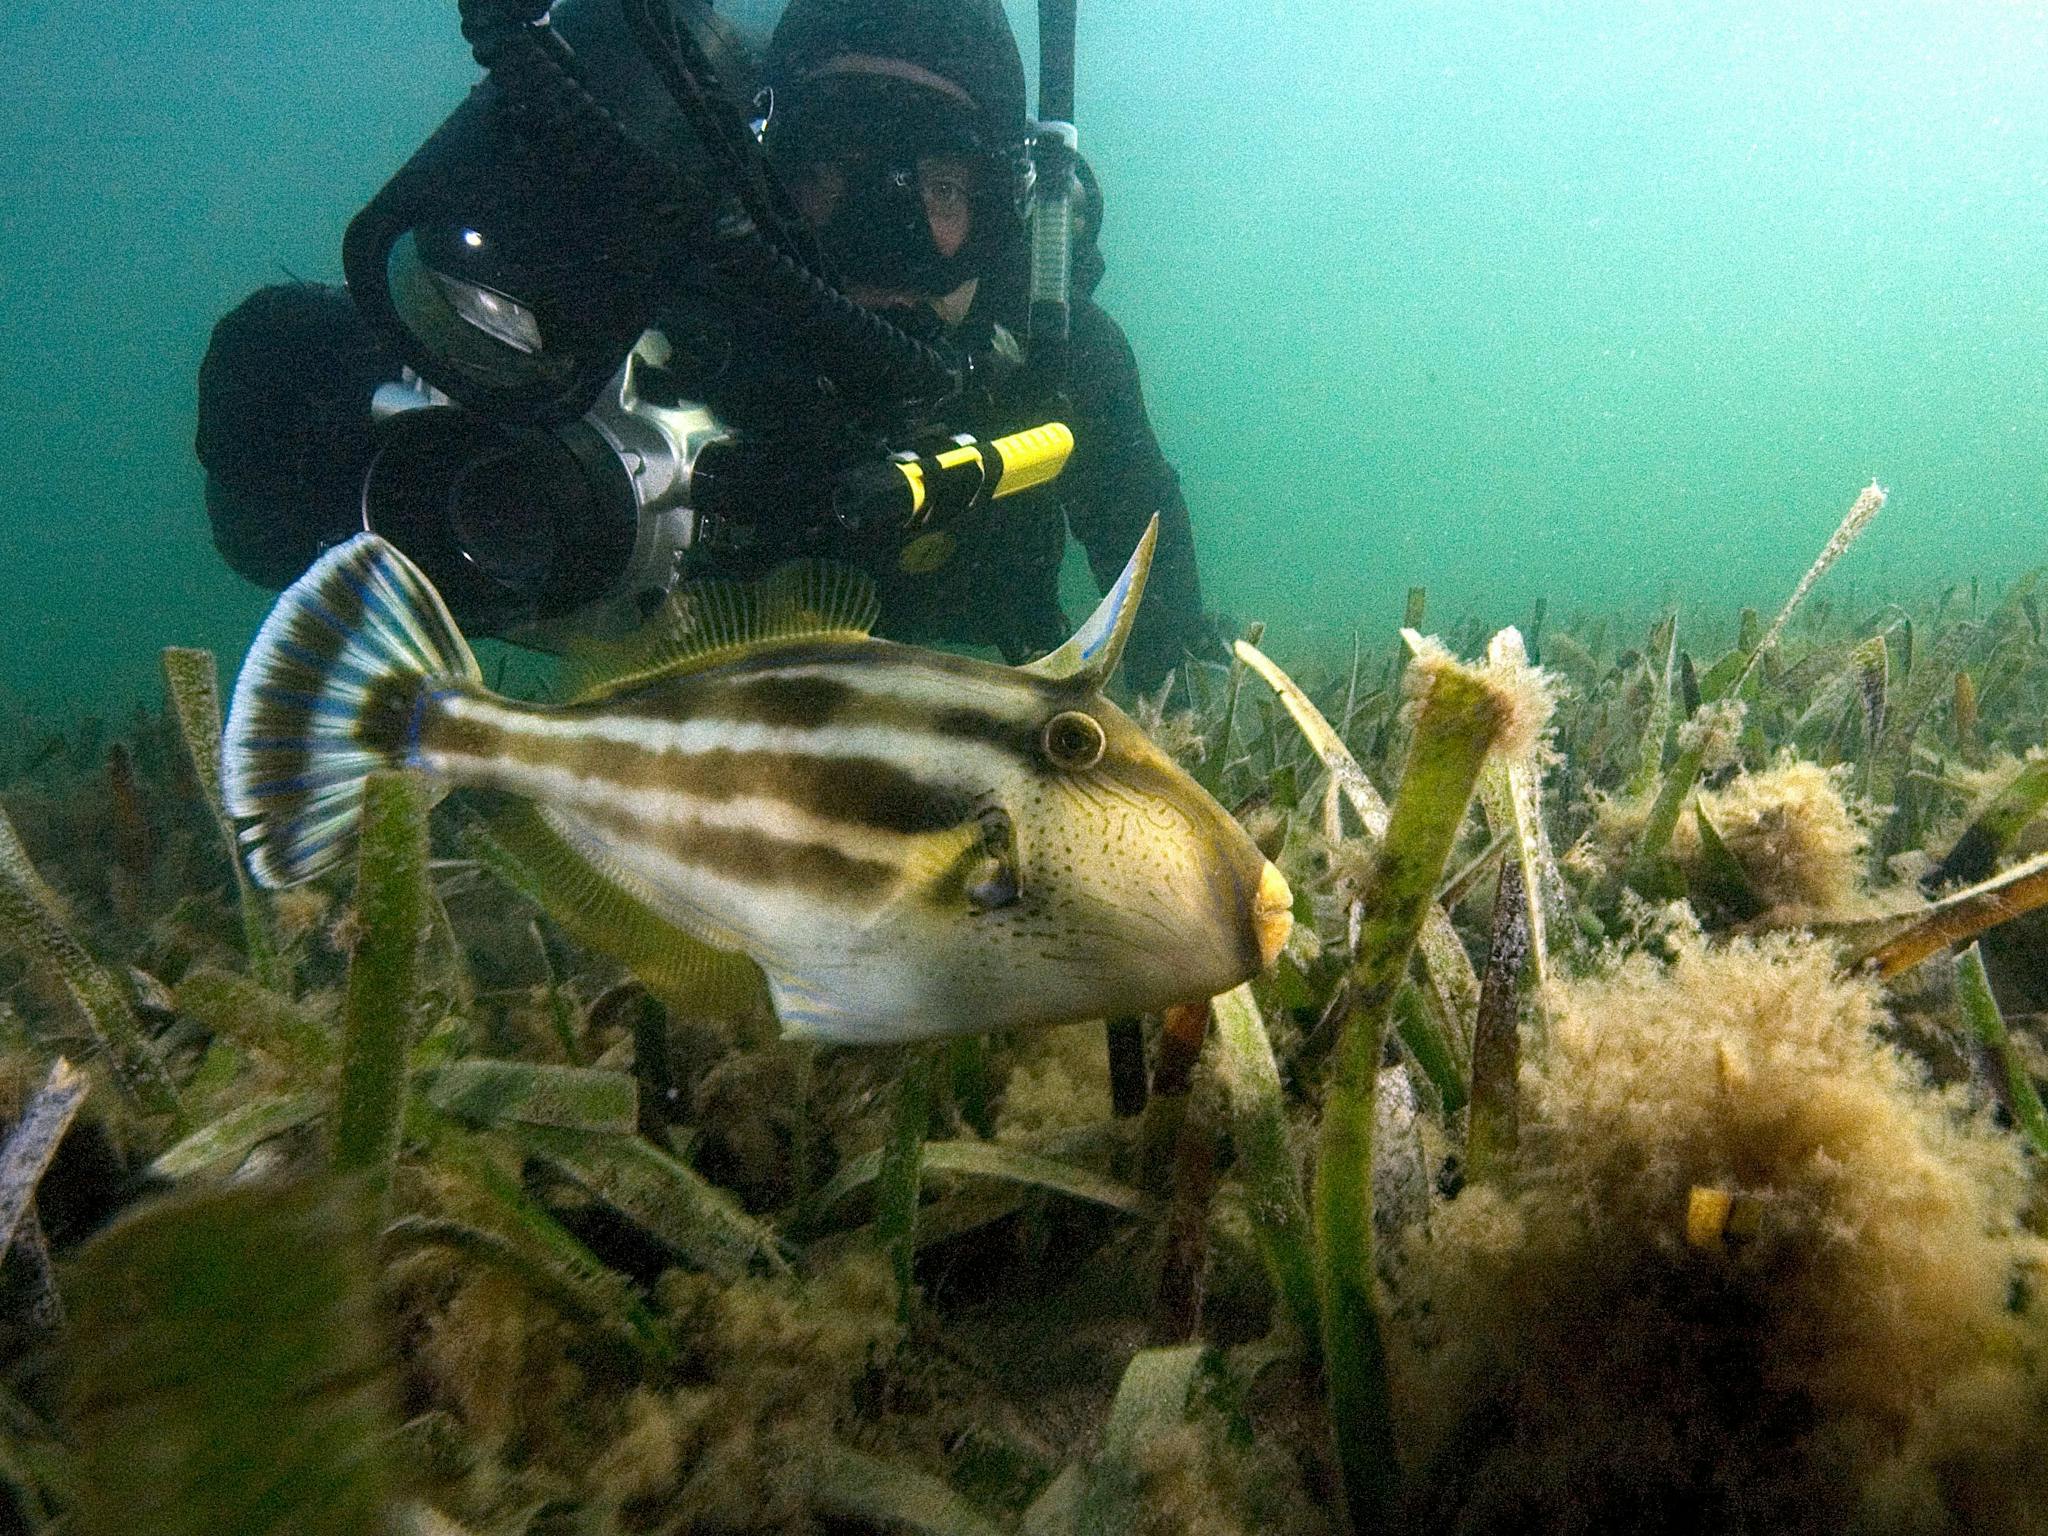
553,110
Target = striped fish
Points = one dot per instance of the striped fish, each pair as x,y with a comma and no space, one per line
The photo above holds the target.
905,843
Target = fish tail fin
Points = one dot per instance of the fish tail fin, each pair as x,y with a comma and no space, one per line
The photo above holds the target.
333,690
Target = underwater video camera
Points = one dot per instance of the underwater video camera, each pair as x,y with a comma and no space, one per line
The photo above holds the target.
545,455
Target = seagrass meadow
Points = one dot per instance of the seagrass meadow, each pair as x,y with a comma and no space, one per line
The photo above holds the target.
1639,1132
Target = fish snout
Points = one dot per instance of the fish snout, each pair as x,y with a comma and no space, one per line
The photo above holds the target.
1272,914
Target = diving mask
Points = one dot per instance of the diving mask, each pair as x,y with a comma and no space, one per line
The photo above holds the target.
886,169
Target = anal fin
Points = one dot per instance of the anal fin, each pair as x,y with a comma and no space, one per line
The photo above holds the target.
599,909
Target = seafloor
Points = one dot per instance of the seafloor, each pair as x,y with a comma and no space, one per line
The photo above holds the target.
1702,1171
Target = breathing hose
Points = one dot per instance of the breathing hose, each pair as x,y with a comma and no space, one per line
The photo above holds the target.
553,109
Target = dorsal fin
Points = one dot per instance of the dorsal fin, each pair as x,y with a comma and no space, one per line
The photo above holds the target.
1091,653
707,622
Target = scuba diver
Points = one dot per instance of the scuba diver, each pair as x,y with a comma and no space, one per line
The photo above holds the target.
832,345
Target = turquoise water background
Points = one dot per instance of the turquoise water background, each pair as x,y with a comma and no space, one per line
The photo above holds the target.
1615,303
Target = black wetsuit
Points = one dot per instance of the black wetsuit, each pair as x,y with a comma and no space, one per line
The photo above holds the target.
1000,587
284,434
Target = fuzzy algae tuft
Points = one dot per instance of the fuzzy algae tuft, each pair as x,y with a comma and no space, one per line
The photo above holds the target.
1870,1357
1801,840
1798,836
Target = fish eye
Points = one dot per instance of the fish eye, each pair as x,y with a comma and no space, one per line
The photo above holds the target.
1074,739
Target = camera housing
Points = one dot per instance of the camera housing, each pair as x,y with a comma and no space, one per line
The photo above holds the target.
526,528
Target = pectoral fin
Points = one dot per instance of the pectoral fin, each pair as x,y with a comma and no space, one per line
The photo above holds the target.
974,865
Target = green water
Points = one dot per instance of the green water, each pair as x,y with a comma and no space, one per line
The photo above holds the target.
1615,303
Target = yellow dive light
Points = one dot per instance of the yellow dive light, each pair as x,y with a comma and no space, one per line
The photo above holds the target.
911,489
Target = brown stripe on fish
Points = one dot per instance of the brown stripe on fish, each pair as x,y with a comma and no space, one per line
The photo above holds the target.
871,683
315,637
385,719
742,855
866,793
460,732
531,756
341,602
485,744
862,792
779,698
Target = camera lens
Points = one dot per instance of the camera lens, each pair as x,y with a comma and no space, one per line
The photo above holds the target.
491,502
511,524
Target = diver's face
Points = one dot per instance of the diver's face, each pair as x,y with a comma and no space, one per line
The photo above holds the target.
945,185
